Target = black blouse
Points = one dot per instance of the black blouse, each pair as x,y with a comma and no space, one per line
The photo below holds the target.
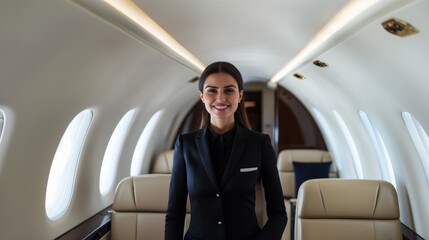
220,150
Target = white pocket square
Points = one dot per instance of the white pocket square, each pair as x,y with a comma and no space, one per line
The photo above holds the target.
250,169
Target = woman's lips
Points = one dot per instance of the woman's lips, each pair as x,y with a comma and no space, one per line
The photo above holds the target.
221,107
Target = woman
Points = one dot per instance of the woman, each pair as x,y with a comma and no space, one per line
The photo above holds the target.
219,166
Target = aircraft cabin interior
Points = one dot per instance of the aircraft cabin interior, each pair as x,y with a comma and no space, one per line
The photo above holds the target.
94,94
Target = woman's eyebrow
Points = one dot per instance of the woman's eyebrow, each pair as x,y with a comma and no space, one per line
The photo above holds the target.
229,86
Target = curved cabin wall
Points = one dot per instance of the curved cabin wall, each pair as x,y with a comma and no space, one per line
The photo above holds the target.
382,75
56,61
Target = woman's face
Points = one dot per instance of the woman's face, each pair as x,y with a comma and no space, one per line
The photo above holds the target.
221,96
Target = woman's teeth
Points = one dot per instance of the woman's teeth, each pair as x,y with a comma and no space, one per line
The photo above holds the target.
220,107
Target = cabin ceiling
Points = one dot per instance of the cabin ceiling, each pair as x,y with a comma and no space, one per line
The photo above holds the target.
260,37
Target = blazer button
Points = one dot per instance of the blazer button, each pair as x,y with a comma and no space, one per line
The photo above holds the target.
219,223
217,195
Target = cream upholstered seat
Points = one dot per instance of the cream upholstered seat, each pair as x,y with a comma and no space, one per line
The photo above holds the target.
286,170
139,207
163,165
287,176
334,209
163,162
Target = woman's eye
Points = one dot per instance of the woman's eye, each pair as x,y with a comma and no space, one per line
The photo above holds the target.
211,91
229,91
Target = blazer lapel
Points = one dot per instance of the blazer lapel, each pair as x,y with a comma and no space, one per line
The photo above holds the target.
202,142
238,147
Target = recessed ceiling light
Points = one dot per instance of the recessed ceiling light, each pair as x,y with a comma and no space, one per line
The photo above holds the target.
399,27
299,76
320,64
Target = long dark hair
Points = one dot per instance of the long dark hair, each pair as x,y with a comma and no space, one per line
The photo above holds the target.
240,114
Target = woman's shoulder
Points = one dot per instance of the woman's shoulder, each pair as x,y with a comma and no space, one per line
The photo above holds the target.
257,135
190,135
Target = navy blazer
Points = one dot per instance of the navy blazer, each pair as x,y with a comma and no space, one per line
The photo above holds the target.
225,211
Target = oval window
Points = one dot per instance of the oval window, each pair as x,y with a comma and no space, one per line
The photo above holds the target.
143,144
351,143
112,155
420,139
328,133
2,120
62,175
2,124
383,156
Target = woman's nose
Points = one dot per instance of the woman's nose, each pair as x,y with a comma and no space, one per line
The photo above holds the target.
220,96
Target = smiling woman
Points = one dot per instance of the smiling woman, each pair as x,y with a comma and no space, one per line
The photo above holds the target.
221,97
220,166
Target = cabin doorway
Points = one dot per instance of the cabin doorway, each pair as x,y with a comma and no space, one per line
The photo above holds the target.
295,126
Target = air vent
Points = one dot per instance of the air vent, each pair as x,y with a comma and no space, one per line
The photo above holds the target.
195,79
320,64
299,76
399,27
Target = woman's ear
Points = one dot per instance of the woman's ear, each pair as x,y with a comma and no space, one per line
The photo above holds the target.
241,96
201,96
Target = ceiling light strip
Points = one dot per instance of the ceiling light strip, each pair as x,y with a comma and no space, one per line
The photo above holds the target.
355,15
127,16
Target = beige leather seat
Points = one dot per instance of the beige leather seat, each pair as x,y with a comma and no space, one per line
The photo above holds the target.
139,207
163,163
287,175
340,209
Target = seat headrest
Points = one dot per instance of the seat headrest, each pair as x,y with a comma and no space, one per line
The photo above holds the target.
164,162
288,156
148,193
347,199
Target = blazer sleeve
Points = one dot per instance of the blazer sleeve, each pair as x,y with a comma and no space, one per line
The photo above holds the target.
276,211
176,210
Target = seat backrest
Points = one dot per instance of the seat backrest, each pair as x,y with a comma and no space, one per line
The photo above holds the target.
286,171
347,209
140,206
163,163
